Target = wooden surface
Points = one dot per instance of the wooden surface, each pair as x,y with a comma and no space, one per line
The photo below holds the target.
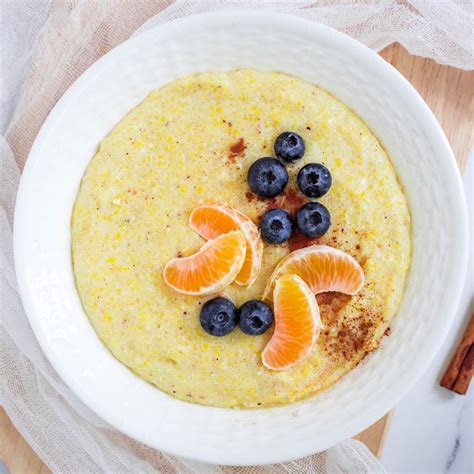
15,452
449,93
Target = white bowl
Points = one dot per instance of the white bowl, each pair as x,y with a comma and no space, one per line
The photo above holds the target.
223,41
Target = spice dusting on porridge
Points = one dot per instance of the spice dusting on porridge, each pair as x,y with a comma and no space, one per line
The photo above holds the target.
240,239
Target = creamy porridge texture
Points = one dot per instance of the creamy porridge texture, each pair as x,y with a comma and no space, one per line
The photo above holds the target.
192,142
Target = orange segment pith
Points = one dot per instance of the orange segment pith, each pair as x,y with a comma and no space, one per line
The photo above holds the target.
297,323
211,269
323,268
210,221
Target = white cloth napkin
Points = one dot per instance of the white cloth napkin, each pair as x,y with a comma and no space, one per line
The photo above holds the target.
44,46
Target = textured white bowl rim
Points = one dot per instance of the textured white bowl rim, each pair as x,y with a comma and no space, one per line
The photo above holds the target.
116,412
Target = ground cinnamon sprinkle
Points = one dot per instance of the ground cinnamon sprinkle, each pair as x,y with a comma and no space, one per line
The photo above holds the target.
362,261
237,149
352,336
335,300
250,196
346,337
299,241
290,200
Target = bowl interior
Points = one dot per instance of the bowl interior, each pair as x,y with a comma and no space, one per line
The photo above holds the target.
224,41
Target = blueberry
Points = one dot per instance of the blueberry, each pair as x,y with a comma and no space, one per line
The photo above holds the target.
255,317
218,316
313,219
276,226
267,177
314,180
289,146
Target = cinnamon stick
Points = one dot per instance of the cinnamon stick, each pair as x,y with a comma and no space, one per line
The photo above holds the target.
465,374
460,370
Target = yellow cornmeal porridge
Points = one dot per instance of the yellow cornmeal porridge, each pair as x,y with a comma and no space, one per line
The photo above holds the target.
192,142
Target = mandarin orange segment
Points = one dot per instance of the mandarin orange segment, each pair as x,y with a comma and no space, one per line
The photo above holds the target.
210,221
211,269
297,323
323,268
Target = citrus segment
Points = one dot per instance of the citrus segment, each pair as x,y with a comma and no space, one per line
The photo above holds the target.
323,268
297,323
210,221
211,269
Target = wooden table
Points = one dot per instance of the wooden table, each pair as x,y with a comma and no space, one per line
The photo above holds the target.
449,93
